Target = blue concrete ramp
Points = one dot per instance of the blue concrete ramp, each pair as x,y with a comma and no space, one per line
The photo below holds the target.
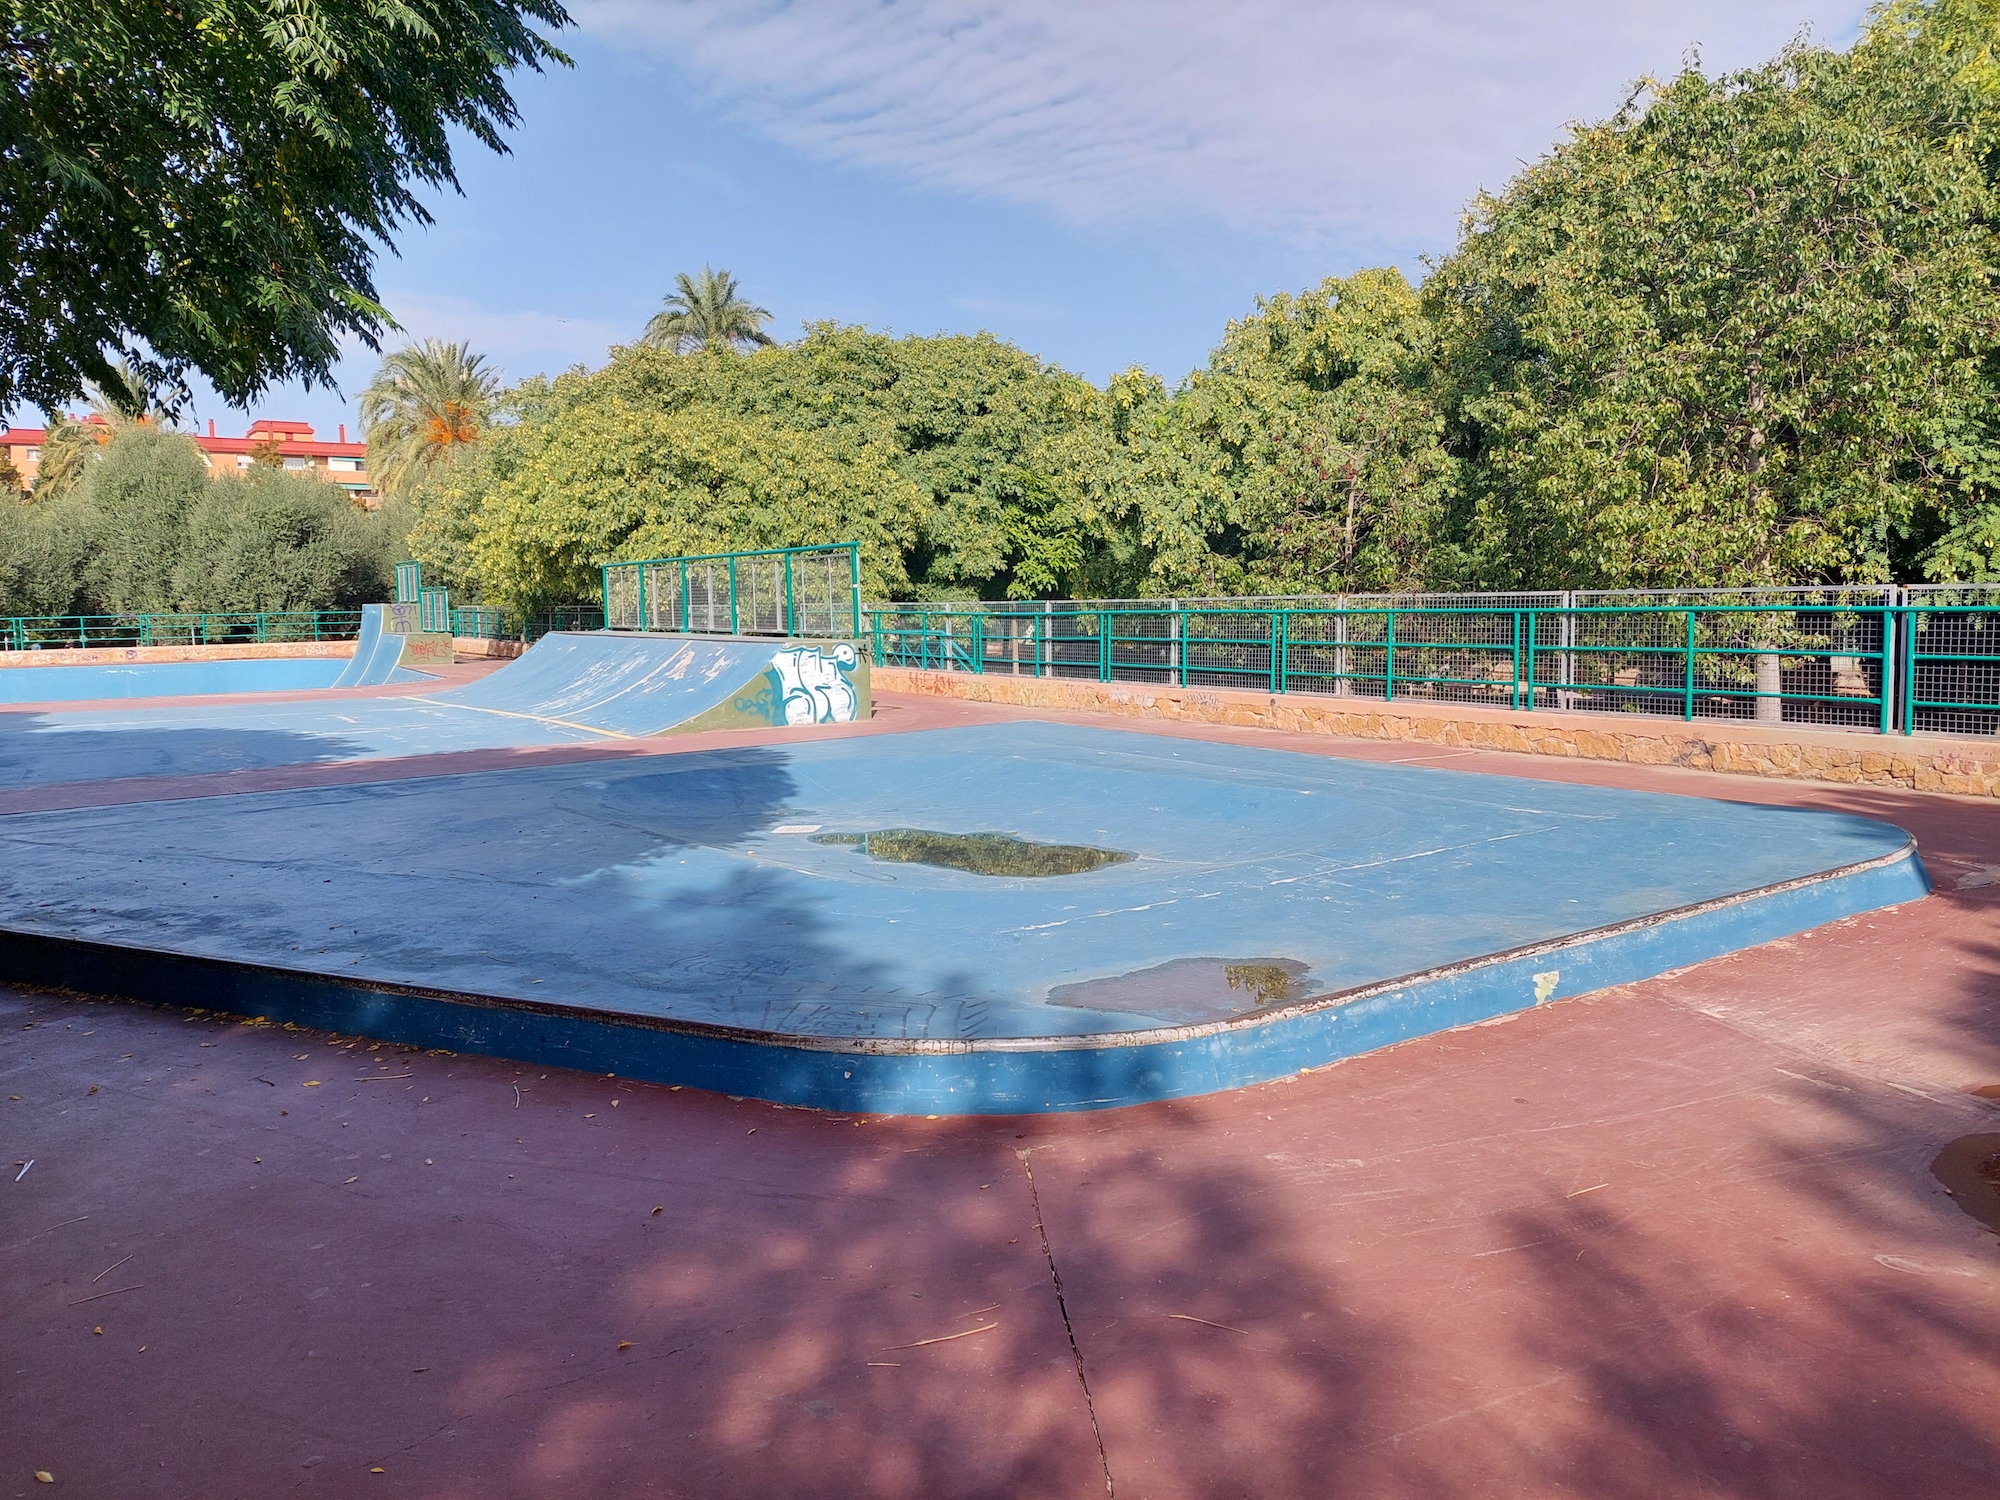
378,653
627,684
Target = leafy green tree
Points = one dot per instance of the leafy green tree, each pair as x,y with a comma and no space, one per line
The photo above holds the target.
138,499
427,402
704,312
45,549
1307,457
274,541
613,480
1739,334
205,185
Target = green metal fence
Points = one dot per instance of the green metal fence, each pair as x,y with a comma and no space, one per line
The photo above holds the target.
1825,663
813,591
235,628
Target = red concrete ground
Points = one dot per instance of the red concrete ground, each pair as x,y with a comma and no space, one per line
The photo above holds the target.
1676,1239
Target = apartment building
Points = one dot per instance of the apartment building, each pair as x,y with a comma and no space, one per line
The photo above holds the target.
291,445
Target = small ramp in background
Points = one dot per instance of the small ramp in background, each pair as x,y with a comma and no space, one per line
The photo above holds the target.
630,685
383,650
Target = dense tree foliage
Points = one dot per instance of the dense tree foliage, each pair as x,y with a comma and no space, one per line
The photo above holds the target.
934,453
205,185
142,528
1742,334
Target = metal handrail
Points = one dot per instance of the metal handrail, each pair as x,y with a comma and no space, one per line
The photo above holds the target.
1687,661
220,627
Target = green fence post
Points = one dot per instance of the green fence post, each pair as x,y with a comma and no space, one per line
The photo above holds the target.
1180,641
1534,629
732,594
1389,661
979,645
1280,633
1688,714
854,575
1887,627
1103,646
791,609
1517,659
1908,685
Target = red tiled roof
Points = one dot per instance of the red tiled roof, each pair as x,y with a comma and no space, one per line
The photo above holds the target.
35,437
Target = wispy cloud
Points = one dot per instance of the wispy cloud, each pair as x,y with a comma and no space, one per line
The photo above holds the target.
521,342
1369,124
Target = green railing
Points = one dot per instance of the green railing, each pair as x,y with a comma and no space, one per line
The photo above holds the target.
811,591
487,622
1830,664
1951,669
234,628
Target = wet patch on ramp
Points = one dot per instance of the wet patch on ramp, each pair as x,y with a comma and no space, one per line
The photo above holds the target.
977,853
1191,990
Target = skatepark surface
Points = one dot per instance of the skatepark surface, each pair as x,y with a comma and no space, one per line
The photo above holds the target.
1710,1232
1266,912
1677,1238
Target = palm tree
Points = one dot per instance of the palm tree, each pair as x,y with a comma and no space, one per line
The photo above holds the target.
706,313
427,402
126,400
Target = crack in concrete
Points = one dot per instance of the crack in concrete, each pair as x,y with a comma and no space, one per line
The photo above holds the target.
1062,1308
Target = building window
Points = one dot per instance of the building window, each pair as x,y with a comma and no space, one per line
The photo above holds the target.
31,455
295,463
348,465
242,460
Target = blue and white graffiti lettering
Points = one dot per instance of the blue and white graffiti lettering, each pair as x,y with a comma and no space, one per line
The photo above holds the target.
814,686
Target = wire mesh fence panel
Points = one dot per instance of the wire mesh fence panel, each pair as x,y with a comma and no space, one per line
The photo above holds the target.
776,591
1226,648
621,596
1807,596
659,596
1826,666
707,608
1075,641
760,596
1952,661
479,622
823,592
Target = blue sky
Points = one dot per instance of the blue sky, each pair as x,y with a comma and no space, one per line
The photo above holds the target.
1103,183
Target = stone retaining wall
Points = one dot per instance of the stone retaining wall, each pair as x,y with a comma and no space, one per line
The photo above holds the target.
1924,763
111,656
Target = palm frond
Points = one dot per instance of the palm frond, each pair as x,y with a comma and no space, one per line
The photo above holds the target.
705,312
427,401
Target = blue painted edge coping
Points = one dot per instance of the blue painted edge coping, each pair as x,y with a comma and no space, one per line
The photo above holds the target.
984,1076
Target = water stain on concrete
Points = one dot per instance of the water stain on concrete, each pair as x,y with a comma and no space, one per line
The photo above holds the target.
1969,1168
977,853
1191,989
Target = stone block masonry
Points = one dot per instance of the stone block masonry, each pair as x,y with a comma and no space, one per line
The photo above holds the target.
1793,752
